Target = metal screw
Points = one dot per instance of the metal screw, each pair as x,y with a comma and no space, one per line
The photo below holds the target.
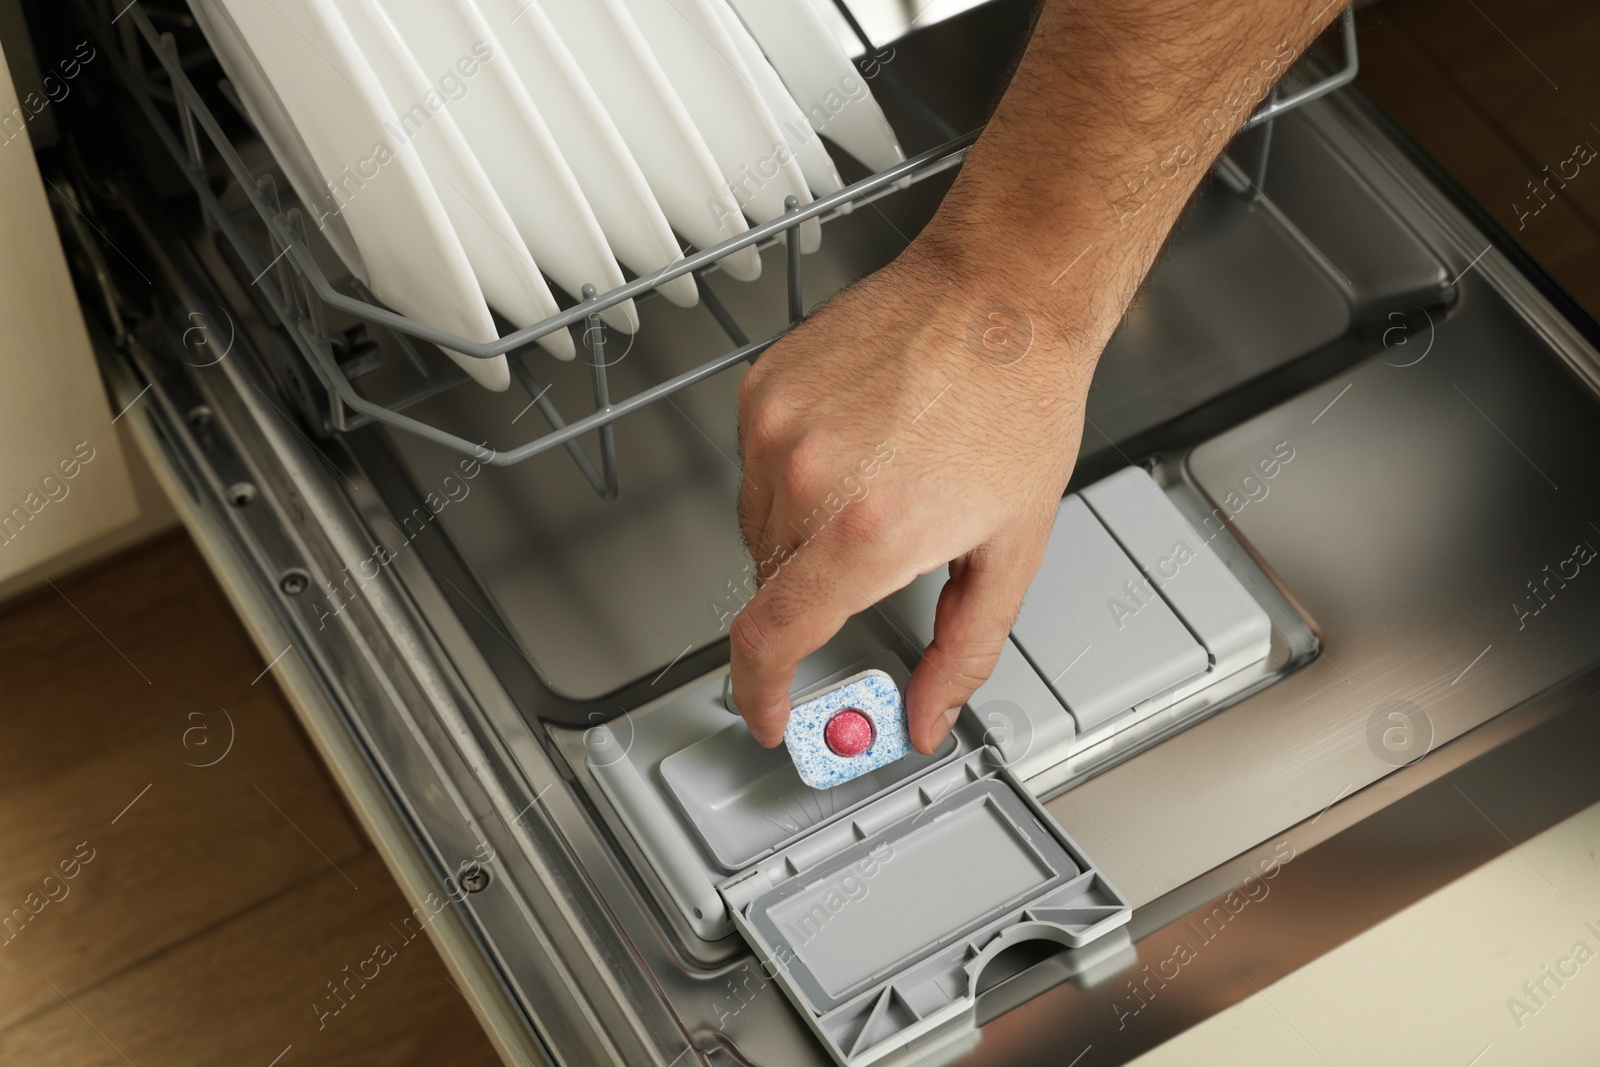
294,582
474,878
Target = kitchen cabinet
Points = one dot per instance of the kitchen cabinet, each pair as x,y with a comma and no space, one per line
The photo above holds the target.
66,491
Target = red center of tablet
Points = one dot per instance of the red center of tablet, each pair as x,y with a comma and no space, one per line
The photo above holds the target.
848,733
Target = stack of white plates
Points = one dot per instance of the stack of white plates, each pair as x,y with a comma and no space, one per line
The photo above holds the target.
462,155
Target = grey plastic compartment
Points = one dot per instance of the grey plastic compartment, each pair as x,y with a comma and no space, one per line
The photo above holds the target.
1178,561
1018,713
745,800
1128,527
1102,638
879,927
725,801
871,909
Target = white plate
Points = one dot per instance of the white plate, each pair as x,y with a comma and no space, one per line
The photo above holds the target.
818,72
815,163
266,114
505,268
628,213
464,58
328,90
670,150
705,68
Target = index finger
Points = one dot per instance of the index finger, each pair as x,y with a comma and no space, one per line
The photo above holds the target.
793,614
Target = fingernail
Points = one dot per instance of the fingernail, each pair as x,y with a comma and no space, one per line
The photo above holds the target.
937,733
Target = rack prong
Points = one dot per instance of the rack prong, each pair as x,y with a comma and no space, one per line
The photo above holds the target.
548,411
720,312
279,247
595,339
791,241
191,136
310,303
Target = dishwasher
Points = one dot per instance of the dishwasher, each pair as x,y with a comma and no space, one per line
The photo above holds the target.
1329,527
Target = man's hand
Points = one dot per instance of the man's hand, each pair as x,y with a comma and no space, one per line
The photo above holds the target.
910,423
931,414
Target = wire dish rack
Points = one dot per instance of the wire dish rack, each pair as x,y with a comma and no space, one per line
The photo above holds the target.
301,295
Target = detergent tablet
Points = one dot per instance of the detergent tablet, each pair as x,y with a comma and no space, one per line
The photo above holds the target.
847,730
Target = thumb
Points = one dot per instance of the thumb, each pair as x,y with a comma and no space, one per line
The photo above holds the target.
976,609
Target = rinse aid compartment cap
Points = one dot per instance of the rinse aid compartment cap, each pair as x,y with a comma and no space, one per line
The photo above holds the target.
878,927
848,730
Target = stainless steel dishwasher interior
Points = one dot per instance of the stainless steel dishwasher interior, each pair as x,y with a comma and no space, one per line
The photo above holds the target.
600,594
1259,297
1405,483
1322,293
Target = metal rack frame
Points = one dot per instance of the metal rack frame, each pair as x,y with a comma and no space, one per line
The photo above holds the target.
303,295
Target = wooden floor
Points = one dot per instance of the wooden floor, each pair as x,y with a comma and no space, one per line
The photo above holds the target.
166,912
160,911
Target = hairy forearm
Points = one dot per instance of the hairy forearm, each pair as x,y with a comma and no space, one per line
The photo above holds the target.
1115,113
969,358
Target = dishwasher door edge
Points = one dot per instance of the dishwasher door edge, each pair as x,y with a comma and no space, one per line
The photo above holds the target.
404,736
352,772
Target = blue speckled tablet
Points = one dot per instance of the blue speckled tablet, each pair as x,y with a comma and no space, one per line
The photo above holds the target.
872,694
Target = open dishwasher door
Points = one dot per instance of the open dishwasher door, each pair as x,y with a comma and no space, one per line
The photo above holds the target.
1297,518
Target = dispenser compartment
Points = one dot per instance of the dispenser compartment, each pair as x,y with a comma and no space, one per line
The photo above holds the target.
878,927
